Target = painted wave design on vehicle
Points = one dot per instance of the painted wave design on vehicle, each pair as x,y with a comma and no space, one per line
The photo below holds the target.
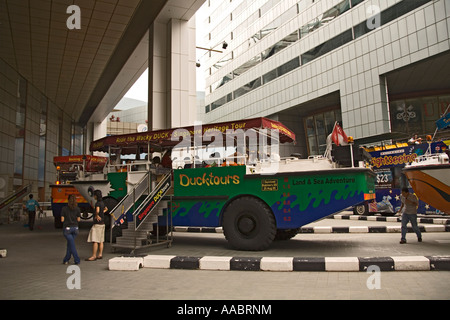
292,209
203,208
303,202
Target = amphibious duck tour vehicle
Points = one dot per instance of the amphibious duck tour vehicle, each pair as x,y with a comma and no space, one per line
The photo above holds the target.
226,175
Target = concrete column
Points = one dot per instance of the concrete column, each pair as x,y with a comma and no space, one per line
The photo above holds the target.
172,74
99,131
157,73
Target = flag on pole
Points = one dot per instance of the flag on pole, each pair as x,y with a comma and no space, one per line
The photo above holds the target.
443,122
338,136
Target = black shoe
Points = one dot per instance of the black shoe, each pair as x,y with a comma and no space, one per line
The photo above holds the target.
402,241
419,239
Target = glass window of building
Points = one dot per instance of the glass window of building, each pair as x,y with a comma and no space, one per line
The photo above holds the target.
248,65
288,66
281,70
280,45
417,115
318,126
20,128
247,88
221,101
224,80
327,46
42,140
219,64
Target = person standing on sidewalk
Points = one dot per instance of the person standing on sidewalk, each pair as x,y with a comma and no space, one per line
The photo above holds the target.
410,203
97,232
70,216
31,208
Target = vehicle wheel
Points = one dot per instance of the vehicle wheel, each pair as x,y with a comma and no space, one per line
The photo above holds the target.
361,210
249,224
86,214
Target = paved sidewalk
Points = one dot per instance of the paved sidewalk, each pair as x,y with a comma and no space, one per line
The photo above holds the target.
33,268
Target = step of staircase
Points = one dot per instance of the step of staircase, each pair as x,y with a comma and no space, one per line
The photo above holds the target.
135,239
131,242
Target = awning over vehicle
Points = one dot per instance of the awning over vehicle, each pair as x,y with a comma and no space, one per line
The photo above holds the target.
92,164
171,137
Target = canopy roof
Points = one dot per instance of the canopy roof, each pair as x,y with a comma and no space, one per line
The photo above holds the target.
92,163
128,143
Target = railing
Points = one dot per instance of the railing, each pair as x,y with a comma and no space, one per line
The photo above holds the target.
435,158
144,185
14,197
152,200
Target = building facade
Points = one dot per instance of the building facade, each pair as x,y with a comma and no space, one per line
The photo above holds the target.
381,67
33,130
64,65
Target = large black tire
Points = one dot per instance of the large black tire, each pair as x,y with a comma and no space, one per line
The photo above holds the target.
249,224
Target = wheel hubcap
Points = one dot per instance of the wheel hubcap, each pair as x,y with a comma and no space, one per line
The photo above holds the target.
246,225
360,209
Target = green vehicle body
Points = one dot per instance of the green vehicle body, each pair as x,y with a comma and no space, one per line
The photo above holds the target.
255,209
201,196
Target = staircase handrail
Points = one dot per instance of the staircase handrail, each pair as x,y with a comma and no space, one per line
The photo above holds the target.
147,207
128,201
14,197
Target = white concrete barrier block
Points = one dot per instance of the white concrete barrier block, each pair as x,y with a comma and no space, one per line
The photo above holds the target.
341,264
435,228
3,253
323,229
393,229
157,262
358,229
219,230
440,221
391,219
214,263
411,263
371,218
354,217
180,229
126,263
277,264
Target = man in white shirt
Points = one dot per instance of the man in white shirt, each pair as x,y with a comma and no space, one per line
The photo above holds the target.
410,203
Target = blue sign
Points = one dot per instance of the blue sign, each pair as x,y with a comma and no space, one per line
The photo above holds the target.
401,156
443,122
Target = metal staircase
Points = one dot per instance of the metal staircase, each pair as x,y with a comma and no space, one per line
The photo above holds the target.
120,210
14,197
140,232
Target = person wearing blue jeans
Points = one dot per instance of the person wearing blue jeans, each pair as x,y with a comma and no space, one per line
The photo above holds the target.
70,216
70,233
410,203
